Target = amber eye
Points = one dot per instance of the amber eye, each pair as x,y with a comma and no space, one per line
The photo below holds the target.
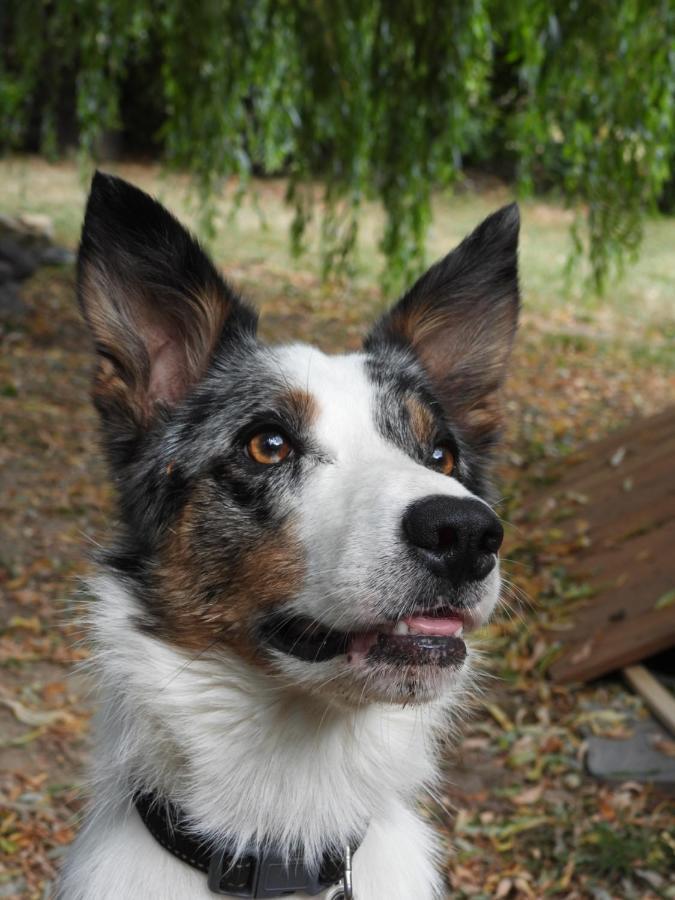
269,447
443,459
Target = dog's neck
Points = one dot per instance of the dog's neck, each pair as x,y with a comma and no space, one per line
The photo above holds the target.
245,758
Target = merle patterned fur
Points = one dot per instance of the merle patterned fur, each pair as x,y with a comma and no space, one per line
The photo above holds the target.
139,274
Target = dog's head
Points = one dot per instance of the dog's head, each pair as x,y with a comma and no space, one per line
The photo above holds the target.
324,517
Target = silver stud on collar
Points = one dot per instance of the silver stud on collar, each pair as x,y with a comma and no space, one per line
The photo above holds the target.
347,874
344,890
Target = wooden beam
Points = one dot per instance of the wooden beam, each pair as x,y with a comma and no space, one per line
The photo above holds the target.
656,696
615,645
610,521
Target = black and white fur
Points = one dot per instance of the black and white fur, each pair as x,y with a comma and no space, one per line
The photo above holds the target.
253,743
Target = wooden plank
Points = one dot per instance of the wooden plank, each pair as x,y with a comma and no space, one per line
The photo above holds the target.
627,604
640,436
610,504
616,645
646,471
656,696
615,561
638,461
627,553
623,521
630,580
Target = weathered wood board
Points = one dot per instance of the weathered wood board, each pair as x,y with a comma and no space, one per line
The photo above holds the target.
615,507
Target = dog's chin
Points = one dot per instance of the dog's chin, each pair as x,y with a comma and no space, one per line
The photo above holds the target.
415,659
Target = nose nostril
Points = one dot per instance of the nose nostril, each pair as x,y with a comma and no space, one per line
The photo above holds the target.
447,537
491,540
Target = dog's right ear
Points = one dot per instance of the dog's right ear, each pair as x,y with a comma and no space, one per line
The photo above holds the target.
460,320
155,304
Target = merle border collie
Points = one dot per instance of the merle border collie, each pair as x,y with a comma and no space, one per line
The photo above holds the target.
281,628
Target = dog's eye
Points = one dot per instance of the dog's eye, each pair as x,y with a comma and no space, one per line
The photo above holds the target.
268,447
442,459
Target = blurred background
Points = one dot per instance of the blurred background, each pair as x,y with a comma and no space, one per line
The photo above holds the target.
326,152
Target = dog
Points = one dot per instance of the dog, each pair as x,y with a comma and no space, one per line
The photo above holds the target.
305,542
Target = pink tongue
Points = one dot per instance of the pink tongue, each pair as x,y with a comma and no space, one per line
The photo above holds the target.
430,625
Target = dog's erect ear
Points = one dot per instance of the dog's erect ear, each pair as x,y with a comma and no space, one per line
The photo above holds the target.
155,304
460,320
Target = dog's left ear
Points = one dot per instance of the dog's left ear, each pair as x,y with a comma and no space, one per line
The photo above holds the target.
157,309
460,319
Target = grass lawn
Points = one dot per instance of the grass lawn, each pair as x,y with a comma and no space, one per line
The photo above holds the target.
521,814
258,235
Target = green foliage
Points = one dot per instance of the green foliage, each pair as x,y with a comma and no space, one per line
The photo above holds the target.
613,852
599,116
360,99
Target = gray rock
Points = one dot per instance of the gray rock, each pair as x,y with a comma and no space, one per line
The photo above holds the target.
22,261
6,273
29,229
636,758
26,243
11,304
37,224
57,256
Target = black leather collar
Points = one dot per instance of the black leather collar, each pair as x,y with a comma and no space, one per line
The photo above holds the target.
262,873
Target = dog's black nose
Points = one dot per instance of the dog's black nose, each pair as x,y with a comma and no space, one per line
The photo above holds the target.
458,538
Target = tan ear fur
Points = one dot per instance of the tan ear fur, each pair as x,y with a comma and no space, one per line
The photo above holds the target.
460,319
155,304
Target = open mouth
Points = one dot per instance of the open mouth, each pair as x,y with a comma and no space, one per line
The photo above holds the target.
422,639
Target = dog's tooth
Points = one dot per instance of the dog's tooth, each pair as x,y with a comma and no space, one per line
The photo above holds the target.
459,631
401,628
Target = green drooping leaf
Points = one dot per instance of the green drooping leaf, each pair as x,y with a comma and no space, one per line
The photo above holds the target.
357,100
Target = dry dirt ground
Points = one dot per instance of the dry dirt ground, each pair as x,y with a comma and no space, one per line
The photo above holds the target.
523,818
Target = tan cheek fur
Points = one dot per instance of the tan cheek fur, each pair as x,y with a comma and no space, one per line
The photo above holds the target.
205,602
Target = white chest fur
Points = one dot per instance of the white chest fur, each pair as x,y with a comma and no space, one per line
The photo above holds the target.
244,757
